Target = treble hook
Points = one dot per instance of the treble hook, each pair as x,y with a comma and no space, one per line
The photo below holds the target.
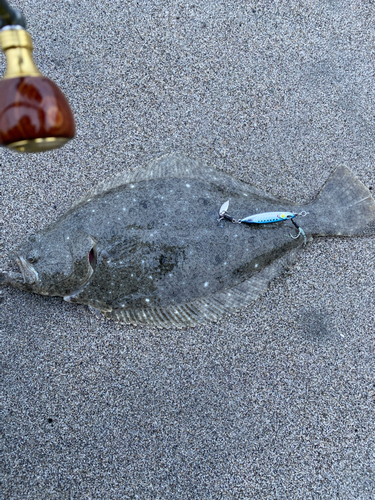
300,230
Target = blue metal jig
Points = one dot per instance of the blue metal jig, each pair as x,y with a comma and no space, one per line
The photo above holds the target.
264,218
268,217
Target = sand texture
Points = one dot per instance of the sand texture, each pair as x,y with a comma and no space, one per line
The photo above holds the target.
275,402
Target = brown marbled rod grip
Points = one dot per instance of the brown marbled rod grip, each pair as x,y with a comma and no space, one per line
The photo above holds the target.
33,107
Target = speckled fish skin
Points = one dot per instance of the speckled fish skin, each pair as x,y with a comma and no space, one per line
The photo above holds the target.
148,247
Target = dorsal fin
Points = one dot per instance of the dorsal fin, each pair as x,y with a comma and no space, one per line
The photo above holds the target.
167,167
206,309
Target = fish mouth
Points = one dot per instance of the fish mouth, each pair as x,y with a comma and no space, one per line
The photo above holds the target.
29,274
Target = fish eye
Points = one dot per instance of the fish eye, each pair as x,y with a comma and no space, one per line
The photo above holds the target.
92,257
32,258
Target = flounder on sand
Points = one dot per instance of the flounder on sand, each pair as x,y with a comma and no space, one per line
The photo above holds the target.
149,246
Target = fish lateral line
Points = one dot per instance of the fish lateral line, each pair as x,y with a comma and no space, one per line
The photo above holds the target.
265,218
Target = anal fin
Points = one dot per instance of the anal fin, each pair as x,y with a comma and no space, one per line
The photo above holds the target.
206,309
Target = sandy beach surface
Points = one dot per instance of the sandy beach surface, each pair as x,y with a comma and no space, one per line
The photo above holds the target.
274,402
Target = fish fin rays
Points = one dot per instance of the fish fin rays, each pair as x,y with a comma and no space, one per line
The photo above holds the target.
206,309
344,207
167,167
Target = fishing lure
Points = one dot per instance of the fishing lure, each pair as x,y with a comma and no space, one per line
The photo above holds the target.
264,218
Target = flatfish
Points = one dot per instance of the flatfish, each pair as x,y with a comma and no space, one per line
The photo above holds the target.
151,246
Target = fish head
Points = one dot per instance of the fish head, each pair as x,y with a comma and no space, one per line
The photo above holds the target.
54,263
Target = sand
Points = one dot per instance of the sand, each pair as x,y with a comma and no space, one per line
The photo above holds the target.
275,402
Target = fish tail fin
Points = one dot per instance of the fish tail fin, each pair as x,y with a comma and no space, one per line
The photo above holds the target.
343,207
